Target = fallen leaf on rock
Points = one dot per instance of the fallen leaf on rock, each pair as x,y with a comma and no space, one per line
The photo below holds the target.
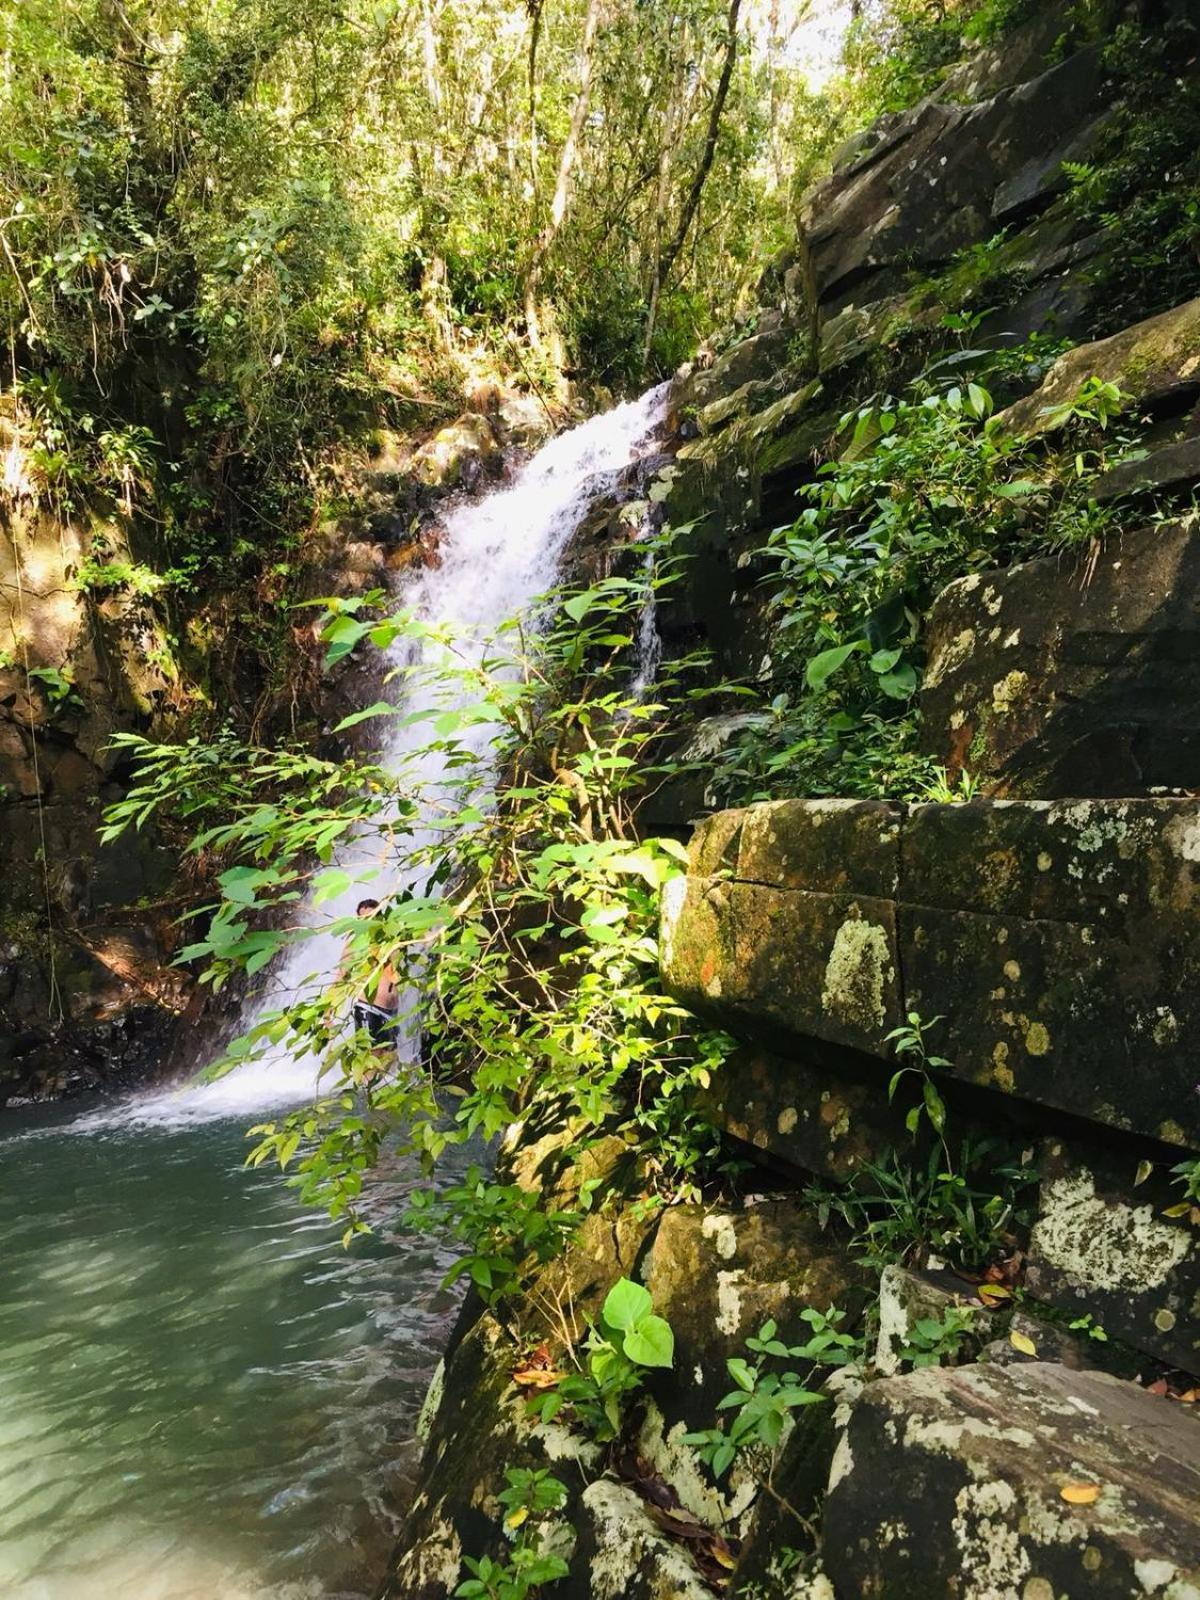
1159,1386
1080,1494
990,1293
1023,1343
536,1378
537,1372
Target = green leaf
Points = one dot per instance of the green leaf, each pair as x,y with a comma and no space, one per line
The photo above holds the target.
823,666
742,1373
626,1304
578,605
899,685
650,1343
381,708
329,884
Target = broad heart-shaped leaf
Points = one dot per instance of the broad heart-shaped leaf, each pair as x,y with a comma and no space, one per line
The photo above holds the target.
900,683
626,1304
650,1343
827,663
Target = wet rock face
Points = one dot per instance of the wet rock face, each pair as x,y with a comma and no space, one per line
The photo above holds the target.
85,995
1059,942
1072,677
949,1482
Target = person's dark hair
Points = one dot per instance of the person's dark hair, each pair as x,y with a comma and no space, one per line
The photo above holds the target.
366,905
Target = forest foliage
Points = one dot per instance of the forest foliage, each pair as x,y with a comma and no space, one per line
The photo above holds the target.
235,233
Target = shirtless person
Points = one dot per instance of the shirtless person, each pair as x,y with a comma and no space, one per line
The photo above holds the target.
375,1009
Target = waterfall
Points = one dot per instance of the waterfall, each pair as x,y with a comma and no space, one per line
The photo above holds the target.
497,555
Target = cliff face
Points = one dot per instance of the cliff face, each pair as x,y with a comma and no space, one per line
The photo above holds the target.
1022,1429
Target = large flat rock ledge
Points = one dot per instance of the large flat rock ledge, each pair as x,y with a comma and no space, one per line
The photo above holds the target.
1058,941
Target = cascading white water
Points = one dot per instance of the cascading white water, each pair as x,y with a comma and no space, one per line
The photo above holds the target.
497,555
202,1394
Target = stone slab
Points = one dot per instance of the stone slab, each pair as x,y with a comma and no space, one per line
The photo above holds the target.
1076,676
803,1112
1058,944
948,1483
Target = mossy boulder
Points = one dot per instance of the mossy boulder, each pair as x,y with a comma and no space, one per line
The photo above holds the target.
1058,943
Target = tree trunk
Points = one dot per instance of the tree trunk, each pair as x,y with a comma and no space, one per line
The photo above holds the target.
667,258
566,167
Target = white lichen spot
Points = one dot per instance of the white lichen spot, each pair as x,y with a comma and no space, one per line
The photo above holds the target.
627,1543
892,1312
1044,861
857,974
674,893
842,1464
1005,694
787,1119
677,1464
1154,1575
1013,639
719,1227
431,1404
993,1561
1166,1026
1182,834
1012,971
729,1301
1104,1244
950,657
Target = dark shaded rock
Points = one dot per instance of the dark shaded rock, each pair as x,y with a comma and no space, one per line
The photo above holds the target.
804,1111
1047,1341
1076,676
930,182
1104,1247
1170,467
948,1483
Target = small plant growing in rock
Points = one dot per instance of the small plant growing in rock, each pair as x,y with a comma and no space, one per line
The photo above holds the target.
762,1401
628,1341
1087,1324
910,1044
932,1340
943,790
531,1494
1186,1176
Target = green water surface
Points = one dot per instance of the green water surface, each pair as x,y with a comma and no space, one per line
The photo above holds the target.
202,1395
